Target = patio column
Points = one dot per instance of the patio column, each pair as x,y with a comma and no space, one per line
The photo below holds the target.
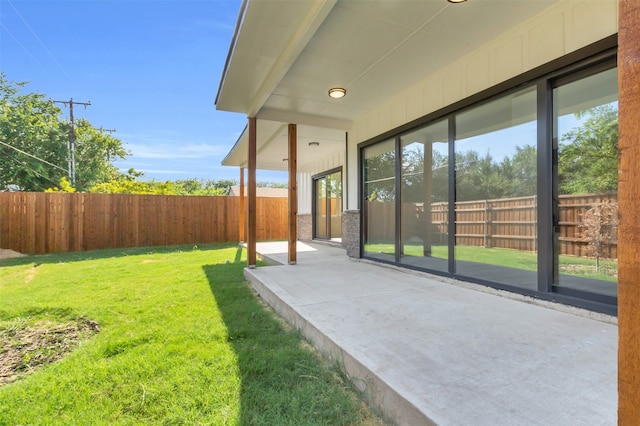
292,193
628,201
243,219
251,219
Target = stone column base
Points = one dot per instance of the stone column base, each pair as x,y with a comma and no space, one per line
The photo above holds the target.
351,232
305,227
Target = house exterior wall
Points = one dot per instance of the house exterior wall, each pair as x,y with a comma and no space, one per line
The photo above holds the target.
306,173
561,29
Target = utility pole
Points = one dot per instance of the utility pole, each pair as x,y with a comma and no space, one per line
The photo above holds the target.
71,147
110,131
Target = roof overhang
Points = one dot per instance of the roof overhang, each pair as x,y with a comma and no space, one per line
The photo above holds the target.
272,145
286,55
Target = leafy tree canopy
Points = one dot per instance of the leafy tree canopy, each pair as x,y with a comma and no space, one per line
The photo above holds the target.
588,154
33,143
130,183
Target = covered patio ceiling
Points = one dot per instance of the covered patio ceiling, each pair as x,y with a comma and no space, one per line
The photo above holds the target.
286,55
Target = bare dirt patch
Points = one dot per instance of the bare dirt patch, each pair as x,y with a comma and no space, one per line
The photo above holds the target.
8,254
24,348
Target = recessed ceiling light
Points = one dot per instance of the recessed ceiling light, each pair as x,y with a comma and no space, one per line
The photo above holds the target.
456,1
337,92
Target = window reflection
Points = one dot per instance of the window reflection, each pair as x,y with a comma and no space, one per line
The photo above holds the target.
496,205
425,197
379,200
586,205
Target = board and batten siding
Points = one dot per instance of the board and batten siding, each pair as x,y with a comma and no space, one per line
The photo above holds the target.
306,172
559,30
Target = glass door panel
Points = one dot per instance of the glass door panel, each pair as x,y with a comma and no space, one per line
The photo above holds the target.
328,206
496,187
379,202
320,219
586,184
425,197
334,205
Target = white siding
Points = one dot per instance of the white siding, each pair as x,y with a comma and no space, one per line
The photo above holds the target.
307,171
559,30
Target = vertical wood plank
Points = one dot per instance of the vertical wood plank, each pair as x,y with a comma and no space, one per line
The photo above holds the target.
243,223
292,194
251,219
629,199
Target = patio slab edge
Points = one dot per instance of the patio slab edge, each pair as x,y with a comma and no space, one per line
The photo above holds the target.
379,394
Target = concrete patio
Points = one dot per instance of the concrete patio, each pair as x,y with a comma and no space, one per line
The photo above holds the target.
430,350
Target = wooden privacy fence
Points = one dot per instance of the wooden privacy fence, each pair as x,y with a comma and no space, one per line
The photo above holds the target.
59,222
503,223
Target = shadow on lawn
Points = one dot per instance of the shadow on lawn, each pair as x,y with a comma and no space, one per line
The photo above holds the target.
283,381
79,256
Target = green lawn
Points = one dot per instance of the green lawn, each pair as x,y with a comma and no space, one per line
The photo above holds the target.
182,340
570,265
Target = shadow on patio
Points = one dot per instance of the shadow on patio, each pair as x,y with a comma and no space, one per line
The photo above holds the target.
281,380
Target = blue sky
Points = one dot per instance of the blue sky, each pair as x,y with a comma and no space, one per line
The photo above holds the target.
150,69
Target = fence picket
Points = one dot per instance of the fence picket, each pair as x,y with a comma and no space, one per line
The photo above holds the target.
55,222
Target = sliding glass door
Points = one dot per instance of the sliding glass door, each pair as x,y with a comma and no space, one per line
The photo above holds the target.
327,204
586,204
380,200
496,204
518,191
424,228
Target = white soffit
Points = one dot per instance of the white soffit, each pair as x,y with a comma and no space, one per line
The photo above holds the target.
272,145
378,48
288,54
269,37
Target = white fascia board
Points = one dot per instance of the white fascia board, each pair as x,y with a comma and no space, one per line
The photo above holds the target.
233,91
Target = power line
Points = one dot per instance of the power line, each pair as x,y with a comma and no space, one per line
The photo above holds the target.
32,156
39,40
72,137
23,47
23,164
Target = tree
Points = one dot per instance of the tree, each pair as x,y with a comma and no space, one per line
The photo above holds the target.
33,150
379,176
33,143
95,152
520,172
64,186
599,223
204,187
478,178
269,184
588,158
129,184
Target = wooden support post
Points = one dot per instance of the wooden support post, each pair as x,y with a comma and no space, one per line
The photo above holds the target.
251,219
628,201
243,218
293,197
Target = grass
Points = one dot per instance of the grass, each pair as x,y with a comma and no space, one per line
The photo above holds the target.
182,340
569,265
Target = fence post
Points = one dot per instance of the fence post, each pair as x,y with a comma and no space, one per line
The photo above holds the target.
486,225
535,223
